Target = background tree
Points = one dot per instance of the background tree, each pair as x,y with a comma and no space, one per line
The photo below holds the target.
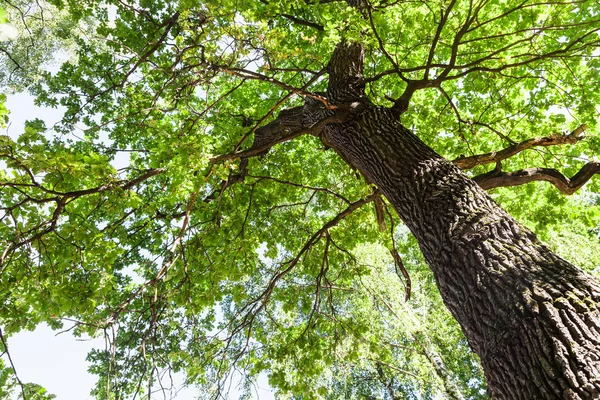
239,235
46,39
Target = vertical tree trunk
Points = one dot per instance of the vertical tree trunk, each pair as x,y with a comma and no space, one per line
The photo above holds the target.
439,367
532,317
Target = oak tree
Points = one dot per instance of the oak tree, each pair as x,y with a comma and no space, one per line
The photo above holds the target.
240,188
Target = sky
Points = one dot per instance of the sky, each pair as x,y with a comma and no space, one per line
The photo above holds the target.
57,362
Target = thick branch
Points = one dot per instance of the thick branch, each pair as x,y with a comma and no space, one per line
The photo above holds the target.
401,103
17,65
283,130
566,185
276,107
498,156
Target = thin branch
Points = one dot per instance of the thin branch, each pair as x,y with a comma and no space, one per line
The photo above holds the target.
392,367
313,239
322,275
224,96
382,47
252,308
491,128
475,66
401,271
62,199
12,364
436,38
167,263
123,184
299,185
457,41
169,24
522,6
399,266
247,74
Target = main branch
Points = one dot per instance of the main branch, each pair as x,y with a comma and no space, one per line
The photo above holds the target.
566,185
498,156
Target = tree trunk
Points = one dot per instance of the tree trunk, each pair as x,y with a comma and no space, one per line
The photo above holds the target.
439,367
532,317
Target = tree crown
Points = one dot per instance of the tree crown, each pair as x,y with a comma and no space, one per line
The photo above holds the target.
182,203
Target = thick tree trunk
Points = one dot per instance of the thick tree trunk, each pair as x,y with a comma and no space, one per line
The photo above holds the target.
532,317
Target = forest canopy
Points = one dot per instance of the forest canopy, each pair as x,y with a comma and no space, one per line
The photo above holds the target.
193,207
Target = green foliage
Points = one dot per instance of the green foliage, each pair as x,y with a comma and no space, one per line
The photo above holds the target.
3,111
117,217
3,17
7,381
35,392
47,35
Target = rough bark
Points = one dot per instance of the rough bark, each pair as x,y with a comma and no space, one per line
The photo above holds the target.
532,317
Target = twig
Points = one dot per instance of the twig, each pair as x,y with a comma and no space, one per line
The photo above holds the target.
12,364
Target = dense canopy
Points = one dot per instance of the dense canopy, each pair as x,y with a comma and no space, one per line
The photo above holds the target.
188,208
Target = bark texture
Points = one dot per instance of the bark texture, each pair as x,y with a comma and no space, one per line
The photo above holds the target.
532,317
